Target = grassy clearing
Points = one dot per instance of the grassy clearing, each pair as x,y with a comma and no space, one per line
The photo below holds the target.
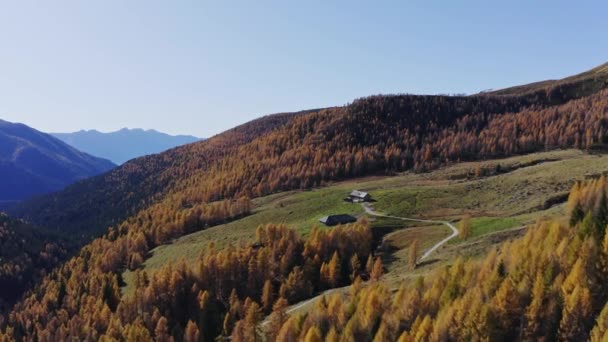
485,225
497,202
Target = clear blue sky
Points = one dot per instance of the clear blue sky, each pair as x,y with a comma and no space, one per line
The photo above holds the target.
201,67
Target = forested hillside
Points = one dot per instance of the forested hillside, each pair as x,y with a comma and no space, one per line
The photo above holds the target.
548,285
90,207
26,255
379,134
151,200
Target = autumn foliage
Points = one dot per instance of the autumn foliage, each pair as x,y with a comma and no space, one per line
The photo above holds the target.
373,135
226,292
548,284
551,284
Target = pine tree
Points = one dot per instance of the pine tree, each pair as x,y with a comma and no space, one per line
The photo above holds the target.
377,270
413,254
535,311
369,264
464,228
507,307
161,332
313,335
332,336
288,331
587,227
355,266
267,296
192,333
600,331
277,318
334,270
601,217
575,315
576,215
137,332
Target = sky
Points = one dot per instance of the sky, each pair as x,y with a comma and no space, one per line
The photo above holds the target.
201,67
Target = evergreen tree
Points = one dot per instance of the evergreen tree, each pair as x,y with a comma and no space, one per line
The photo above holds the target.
413,254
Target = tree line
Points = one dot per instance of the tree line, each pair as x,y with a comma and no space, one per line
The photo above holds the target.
225,293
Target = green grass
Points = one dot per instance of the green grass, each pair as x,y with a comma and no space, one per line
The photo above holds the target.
496,203
485,225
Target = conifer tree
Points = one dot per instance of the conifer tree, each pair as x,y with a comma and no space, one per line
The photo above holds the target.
377,270
191,334
334,270
161,332
313,335
464,227
413,254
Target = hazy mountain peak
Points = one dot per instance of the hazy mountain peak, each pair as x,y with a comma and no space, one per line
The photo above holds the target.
125,143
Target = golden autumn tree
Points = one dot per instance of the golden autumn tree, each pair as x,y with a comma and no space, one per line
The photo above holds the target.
191,334
161,332
464,227
334,270
267,296
377,270
313,335
413,254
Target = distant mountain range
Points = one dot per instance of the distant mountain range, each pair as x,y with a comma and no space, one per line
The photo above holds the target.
125,144
32,162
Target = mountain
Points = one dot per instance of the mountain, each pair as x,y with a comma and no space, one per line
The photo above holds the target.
151,201
585,83
32,162
88,208
378,134
124,144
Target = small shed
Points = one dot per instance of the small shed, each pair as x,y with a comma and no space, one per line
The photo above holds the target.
357,196
333,220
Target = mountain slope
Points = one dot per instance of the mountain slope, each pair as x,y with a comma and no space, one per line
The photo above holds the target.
32,162
379,134
150,201
124,144
89,207
578,85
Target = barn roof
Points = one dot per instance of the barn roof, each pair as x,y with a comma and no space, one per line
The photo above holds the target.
338,219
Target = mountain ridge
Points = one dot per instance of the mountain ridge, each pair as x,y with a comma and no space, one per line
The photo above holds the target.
124,144
198,171
583,83
33,162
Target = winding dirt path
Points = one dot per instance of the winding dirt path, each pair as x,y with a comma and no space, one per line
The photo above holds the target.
368,209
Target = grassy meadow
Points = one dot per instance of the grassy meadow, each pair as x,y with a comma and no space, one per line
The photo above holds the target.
526,189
